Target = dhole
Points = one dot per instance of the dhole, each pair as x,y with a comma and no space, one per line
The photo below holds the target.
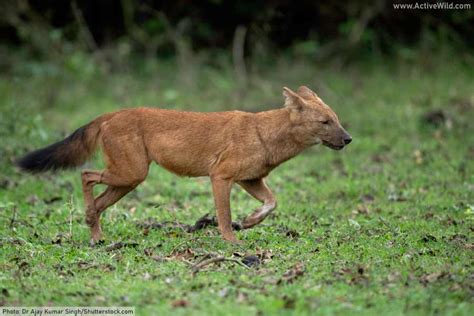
229,147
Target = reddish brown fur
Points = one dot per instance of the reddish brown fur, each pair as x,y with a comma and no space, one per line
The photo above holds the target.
229,147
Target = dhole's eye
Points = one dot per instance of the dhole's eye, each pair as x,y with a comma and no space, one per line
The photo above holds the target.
326,122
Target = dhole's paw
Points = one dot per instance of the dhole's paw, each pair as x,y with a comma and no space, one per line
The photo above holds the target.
258,216
252,220
236,242
233,240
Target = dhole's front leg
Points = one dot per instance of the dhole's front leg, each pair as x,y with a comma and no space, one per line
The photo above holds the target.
259,190
221,189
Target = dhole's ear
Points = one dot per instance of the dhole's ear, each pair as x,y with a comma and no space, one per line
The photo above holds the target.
292,100
304,91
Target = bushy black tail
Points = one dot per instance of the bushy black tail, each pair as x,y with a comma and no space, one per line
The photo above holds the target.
71,152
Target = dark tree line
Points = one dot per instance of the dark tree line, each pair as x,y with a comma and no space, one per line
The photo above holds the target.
155,26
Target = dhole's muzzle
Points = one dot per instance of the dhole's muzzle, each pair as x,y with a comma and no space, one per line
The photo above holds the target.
339,141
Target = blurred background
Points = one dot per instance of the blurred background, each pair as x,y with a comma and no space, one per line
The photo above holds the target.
65,62
155,28
122,35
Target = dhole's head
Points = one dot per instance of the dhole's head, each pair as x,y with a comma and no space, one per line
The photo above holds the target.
314,121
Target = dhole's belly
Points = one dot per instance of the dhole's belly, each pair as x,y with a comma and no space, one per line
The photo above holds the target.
181,158
183,167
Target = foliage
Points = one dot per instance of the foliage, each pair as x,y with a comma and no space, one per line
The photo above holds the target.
156,28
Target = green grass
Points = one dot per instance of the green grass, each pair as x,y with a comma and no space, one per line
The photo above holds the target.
383,227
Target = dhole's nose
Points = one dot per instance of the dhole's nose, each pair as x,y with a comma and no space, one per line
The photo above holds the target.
347,139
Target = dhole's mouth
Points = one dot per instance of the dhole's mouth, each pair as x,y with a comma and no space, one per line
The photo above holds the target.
335,147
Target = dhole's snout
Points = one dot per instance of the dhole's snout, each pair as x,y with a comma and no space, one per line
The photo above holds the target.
342,139
347,138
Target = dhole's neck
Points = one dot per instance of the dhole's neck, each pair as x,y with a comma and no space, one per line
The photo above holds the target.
277,135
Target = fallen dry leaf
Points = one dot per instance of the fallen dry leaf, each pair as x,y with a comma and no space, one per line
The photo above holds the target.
179,303
432,277
291,275
32,199
185,254
418,156
158,258
241,297
265,255
148,252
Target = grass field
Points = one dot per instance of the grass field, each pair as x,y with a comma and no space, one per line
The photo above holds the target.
383,227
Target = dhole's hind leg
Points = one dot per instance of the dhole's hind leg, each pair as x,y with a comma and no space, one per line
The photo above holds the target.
127,167
113,193
259,190
110,196
89,179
